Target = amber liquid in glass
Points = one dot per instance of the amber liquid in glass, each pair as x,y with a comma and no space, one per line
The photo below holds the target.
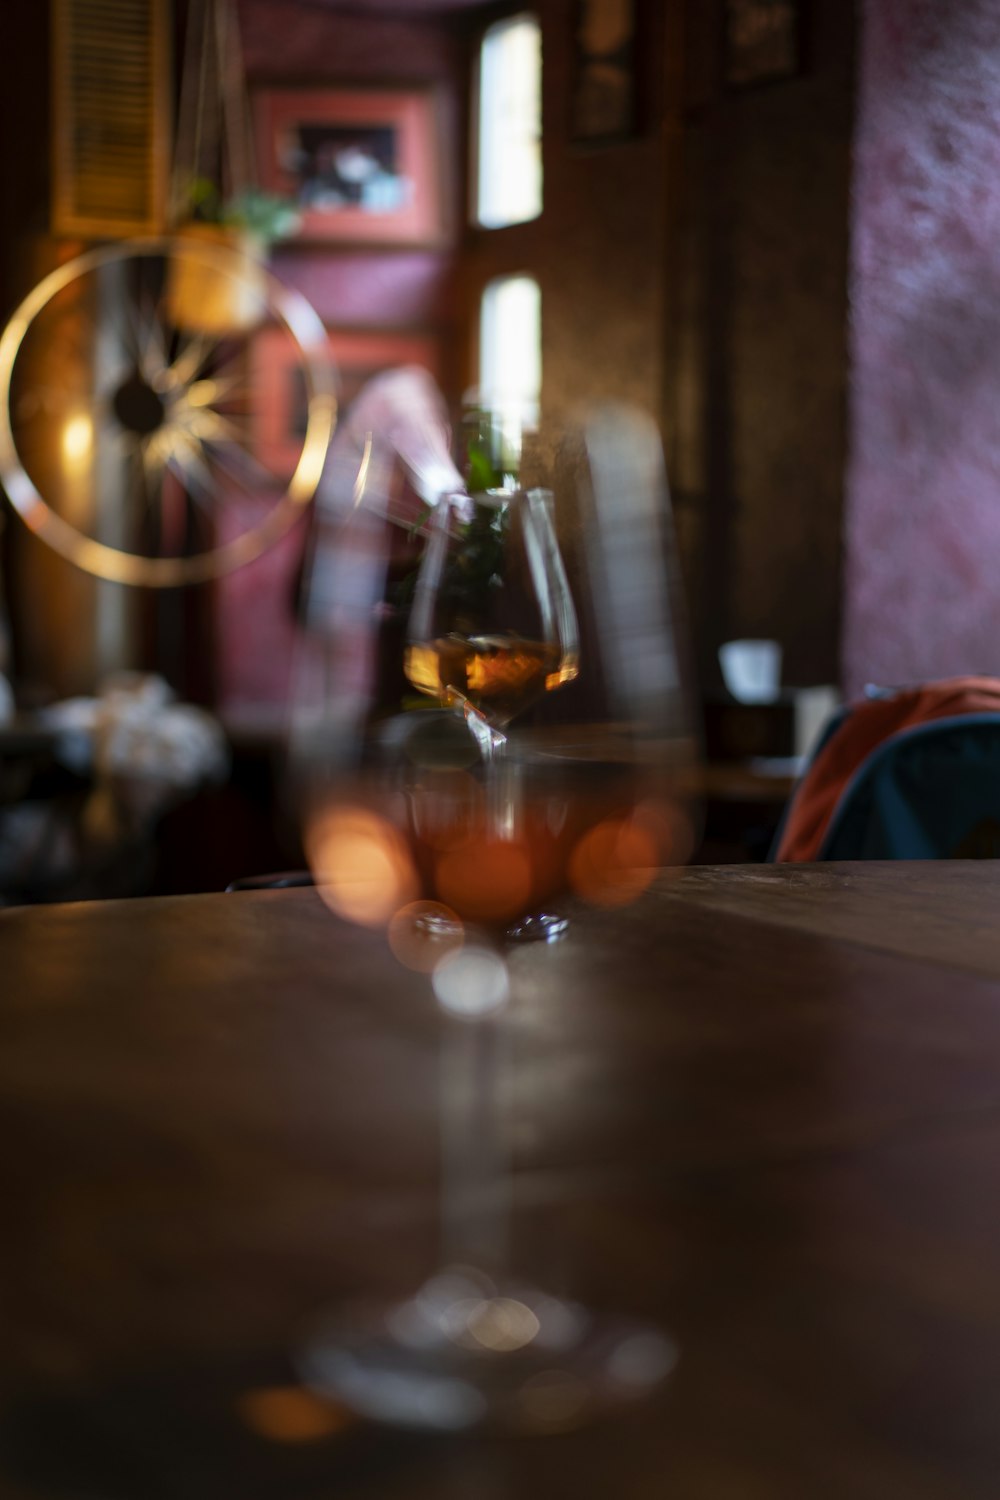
500,675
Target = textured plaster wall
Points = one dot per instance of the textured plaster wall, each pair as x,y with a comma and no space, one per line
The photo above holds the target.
757,347
601,250
922,597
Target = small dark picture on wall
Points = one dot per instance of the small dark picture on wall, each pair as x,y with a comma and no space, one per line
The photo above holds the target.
605,106
763,41
279,385
351,381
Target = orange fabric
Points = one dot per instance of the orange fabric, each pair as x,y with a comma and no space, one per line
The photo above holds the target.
870,722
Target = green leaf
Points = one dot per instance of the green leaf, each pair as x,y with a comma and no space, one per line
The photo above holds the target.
482,475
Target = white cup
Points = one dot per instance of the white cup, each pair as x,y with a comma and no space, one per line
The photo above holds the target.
751,670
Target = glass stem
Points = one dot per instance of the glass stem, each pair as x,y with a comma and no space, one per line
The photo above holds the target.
501,799
474,1148
475,1167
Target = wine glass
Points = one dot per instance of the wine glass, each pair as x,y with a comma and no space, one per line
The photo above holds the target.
493,629
442,818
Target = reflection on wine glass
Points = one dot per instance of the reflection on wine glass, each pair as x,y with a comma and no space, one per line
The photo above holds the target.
443,819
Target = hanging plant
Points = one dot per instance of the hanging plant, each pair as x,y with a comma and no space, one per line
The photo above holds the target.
261,217
209,291
215,280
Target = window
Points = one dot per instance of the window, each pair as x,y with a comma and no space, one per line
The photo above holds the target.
509,170
510,356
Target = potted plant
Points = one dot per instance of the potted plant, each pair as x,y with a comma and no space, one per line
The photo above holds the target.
213,292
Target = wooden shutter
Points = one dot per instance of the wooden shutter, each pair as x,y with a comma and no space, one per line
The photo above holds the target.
110,117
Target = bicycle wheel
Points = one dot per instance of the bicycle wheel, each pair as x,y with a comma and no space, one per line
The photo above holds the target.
124,428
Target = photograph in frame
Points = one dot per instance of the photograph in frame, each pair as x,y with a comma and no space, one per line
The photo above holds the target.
604,100
763,41
361,165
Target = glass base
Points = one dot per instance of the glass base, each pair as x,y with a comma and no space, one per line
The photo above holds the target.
436,926
465,1351
540,927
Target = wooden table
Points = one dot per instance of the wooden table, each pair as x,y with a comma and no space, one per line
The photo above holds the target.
760,1108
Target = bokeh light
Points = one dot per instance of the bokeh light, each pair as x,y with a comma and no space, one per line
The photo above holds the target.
485,880
614,862
362,866
641,1360
499,1324
288,1414
78,442
471,982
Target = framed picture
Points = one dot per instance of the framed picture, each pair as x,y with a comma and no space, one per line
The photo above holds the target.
604,88
763,41
362,164
280,389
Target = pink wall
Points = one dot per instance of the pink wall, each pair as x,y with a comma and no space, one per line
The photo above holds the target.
598,250
922,596
287,44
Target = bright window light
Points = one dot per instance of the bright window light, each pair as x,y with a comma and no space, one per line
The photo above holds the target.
510,354
509,176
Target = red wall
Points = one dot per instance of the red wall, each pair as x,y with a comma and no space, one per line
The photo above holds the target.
290,45
287,45
598,250
923,495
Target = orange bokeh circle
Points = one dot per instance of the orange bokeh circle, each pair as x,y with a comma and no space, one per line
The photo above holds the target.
362,866
613,863
485,880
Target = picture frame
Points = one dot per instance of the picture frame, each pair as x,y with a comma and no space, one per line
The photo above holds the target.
363,165
279,384
762,42
605,91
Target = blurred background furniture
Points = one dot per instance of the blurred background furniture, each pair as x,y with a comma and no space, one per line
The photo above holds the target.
907,773
86,784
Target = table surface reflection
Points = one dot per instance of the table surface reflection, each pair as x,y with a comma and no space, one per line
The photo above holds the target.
760,1108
